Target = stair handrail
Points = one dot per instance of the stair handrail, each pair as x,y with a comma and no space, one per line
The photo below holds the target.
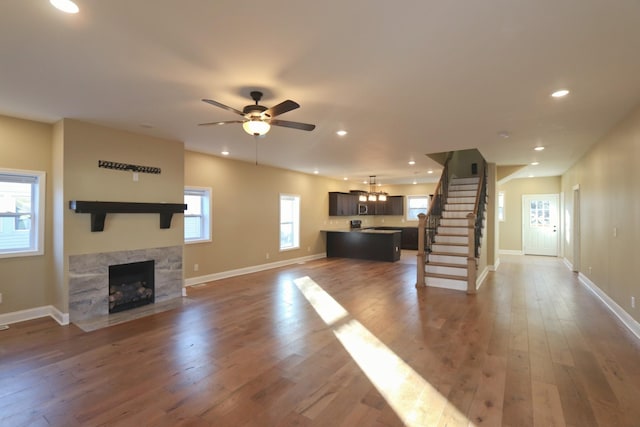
478,209
428,224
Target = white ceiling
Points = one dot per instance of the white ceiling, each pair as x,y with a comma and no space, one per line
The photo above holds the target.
403,78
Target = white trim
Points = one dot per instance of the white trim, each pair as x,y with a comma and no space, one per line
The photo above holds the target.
618,311
568,264
252,269
496,265
509,252
481,277
35,313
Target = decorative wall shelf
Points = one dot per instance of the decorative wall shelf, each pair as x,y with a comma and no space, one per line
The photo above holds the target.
99,210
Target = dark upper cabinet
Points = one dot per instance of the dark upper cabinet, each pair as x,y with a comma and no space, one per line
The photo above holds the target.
346,204
343,204
395,205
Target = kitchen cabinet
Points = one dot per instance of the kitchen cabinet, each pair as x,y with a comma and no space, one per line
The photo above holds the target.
343,204
395,205
375,245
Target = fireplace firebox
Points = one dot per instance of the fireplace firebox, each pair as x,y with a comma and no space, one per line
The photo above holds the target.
131,285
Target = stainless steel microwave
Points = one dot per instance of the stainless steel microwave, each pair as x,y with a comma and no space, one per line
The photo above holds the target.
362,209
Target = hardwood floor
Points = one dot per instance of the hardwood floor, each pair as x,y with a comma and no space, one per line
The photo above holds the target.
533,347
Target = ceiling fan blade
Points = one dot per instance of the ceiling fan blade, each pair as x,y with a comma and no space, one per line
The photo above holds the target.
221,123
281,108
226,107
294,125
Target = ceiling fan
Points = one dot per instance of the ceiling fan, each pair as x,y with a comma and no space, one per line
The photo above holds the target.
258,119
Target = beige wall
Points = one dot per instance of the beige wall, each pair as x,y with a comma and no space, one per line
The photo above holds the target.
608,178
510,230
245,214
25,281
84,145
69,152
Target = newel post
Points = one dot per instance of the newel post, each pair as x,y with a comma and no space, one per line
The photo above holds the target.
420,262
471,256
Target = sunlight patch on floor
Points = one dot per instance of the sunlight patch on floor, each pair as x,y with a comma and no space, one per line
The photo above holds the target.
413,399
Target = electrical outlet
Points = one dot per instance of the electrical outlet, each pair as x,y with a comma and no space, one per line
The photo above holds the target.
615,231
196,267
0,298
633,302
589,270
267,256
135,177
308,248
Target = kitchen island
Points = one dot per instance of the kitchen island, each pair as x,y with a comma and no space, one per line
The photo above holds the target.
375,245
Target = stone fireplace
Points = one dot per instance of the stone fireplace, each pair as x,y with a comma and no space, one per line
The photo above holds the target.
90,287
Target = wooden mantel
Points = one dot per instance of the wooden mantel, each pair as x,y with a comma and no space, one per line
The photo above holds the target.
99,210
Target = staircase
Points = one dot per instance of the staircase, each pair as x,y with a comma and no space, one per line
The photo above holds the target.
447,264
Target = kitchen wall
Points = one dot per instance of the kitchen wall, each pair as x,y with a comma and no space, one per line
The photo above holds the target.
403,190
510,230
608,181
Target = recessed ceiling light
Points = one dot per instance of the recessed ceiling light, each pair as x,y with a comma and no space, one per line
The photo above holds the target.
66,6
365,182
225,153
539,148
345,178
504,134
412,162
415,182
531,176
429,171
316,172
535,163
560,93
341,132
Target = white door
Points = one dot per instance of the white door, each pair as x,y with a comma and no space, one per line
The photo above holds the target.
540,224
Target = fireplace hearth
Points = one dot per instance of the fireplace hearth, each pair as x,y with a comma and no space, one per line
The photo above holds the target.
131,285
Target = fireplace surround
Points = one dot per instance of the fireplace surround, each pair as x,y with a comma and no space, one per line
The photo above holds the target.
89,278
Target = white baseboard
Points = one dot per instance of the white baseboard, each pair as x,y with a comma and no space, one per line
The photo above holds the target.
35,313
510,252
253,269
481,277
568,264
618,311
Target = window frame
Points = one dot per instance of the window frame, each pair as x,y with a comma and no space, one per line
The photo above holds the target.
501,211
295,223
206,218
38,181
416,196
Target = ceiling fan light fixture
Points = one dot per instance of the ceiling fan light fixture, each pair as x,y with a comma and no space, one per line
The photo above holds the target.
256,127
66,6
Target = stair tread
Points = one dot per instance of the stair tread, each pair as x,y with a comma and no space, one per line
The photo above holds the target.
450,254
448,244
445,264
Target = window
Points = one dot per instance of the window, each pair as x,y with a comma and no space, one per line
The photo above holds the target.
501,206
416,205
197,217
22,195
289,222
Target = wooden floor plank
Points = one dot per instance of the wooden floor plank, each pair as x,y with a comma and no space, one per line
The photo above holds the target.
532,347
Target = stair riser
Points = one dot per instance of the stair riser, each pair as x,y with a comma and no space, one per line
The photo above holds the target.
455,214
470,200
452,271
462,193
449,222
448,259
463,181
443,240
467,187
439,282
467,207
437,247
459,231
